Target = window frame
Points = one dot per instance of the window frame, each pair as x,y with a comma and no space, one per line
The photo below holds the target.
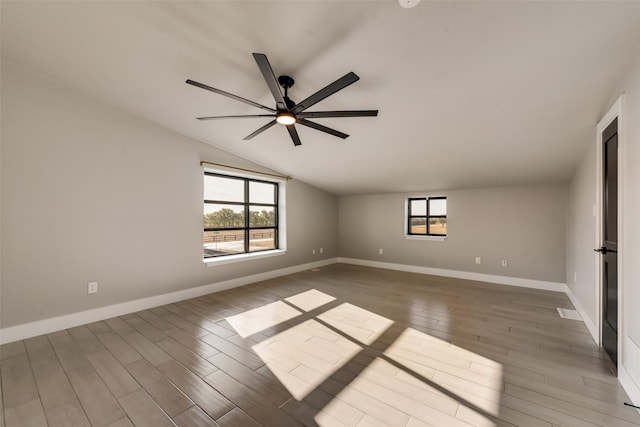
247,228
427,217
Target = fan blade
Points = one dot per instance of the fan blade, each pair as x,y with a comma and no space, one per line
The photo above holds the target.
322,128
227,94
329,90
235,117
294,135
325,114
259,131
270,78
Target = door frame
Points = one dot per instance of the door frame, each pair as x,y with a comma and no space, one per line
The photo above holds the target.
616,111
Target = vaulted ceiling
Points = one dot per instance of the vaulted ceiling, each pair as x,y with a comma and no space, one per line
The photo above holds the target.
471,94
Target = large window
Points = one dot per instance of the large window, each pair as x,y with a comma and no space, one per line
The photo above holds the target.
427,216
240,215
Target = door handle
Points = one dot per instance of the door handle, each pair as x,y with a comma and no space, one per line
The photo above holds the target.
603,250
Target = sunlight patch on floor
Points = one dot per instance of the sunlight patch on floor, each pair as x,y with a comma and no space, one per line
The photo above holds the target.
360,324
416,380
310,299
250,322
305,355
396,400
473,381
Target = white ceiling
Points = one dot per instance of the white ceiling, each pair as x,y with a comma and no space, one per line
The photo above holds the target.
471,94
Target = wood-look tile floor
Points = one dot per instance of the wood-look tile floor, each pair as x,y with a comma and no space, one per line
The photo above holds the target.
341,346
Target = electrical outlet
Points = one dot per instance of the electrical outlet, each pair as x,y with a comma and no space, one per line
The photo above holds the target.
92,287
313,251
478,260
380,251
504,263
575,276
320,250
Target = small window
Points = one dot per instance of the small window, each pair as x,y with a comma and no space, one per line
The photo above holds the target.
427,216
240,215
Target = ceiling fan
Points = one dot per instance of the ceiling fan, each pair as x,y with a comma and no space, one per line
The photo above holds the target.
287,112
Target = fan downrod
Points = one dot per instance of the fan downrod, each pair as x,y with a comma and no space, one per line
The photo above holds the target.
287,82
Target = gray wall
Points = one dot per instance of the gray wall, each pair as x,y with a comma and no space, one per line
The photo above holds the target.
525,225
581,235
630,256
90,193
582,228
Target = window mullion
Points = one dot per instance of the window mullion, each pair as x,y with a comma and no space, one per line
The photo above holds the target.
246,216
276,219
428,218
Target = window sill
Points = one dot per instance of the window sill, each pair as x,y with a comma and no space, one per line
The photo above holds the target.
229,259
431,238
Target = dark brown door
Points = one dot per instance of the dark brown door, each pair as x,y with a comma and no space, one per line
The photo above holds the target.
609,249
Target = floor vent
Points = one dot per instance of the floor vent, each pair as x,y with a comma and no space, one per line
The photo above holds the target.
566,313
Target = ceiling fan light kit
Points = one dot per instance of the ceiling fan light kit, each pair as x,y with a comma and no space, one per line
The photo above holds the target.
287,112
285,118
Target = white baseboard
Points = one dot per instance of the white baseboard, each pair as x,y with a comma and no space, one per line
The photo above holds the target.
32,329
629,386
589,323
629,370
28,330
480,277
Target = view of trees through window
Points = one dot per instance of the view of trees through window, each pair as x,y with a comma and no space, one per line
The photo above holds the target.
227,218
